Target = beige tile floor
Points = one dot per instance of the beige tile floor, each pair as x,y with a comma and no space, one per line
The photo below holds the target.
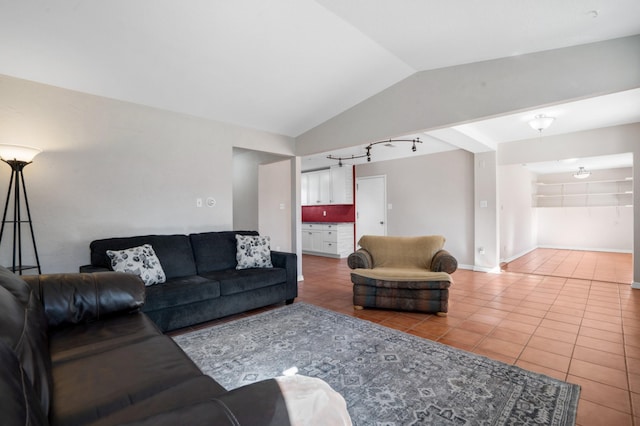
568,314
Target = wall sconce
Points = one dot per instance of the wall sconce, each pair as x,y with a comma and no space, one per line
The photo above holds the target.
18,157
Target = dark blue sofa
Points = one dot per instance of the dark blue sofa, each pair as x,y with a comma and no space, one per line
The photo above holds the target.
202,280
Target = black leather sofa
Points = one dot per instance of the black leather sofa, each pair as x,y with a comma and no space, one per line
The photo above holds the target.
202,280
76,350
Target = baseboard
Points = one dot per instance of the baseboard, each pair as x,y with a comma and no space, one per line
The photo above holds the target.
300,278
495,270
469,267
514,257
635,285
475,268
606,250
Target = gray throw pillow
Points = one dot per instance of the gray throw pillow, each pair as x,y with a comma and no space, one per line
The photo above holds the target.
141,261
253,252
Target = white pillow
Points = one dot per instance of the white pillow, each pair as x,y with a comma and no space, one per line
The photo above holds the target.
141,261
253,252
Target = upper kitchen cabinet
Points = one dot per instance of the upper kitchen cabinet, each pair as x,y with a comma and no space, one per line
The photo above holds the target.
328,186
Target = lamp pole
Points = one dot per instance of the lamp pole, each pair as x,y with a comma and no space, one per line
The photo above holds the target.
16,183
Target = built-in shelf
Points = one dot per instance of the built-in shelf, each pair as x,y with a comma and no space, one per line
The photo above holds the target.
584,193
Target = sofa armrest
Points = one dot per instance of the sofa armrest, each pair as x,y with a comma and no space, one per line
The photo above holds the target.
360,259
289,262
443,261
257,404
89,269
78,298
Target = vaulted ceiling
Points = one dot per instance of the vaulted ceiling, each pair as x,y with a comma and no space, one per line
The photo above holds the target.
282,66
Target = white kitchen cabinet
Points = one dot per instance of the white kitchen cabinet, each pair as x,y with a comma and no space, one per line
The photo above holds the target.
312,237
327,239
327,186
341,184
318,187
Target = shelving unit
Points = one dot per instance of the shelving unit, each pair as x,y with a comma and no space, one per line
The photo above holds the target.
608,192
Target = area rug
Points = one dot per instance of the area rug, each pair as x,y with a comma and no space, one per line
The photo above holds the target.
387,377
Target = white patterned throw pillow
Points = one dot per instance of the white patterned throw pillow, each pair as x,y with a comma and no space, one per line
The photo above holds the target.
253,252
141,261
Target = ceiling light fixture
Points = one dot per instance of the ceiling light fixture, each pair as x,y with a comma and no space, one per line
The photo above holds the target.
541,122
387,142
582,173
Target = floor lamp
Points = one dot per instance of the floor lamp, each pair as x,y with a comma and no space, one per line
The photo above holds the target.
18,157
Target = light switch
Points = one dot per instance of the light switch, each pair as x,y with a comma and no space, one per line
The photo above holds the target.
198,202
483,204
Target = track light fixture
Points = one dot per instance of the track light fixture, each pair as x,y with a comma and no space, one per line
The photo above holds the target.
367,154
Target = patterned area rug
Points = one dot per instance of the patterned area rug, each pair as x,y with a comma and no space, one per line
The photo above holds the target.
387,377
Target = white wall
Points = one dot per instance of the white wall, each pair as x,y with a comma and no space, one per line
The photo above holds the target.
586,228
518,220
430,194
592,143
112,168
485,207
274,196
455,95
448,96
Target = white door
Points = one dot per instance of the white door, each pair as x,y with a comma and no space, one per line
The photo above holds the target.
371,206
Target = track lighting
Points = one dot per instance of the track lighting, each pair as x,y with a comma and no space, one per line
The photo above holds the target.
367,153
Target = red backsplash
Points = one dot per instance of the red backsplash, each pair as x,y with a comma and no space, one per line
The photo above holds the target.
335,213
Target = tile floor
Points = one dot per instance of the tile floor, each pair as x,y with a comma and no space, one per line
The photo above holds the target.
570,315
576,328
598,266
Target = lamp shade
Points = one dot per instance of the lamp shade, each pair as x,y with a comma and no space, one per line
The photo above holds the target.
18,153
541,122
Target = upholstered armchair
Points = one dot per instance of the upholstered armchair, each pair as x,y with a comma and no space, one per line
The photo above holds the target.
403,273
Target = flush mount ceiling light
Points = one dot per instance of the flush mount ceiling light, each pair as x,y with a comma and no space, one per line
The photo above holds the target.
582,173
541,122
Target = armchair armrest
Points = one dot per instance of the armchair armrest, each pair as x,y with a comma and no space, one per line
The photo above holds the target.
361,258
443,261
78,298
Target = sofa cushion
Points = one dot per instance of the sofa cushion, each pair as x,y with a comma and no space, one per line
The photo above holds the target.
19,403
402,252
24,330
253,251
216,251
181,291
191,391
234,281
141,261
88,388
173,251
67,343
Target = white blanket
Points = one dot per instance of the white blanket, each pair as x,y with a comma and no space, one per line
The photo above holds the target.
312,402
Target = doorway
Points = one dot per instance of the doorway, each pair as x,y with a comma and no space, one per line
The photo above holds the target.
371,206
